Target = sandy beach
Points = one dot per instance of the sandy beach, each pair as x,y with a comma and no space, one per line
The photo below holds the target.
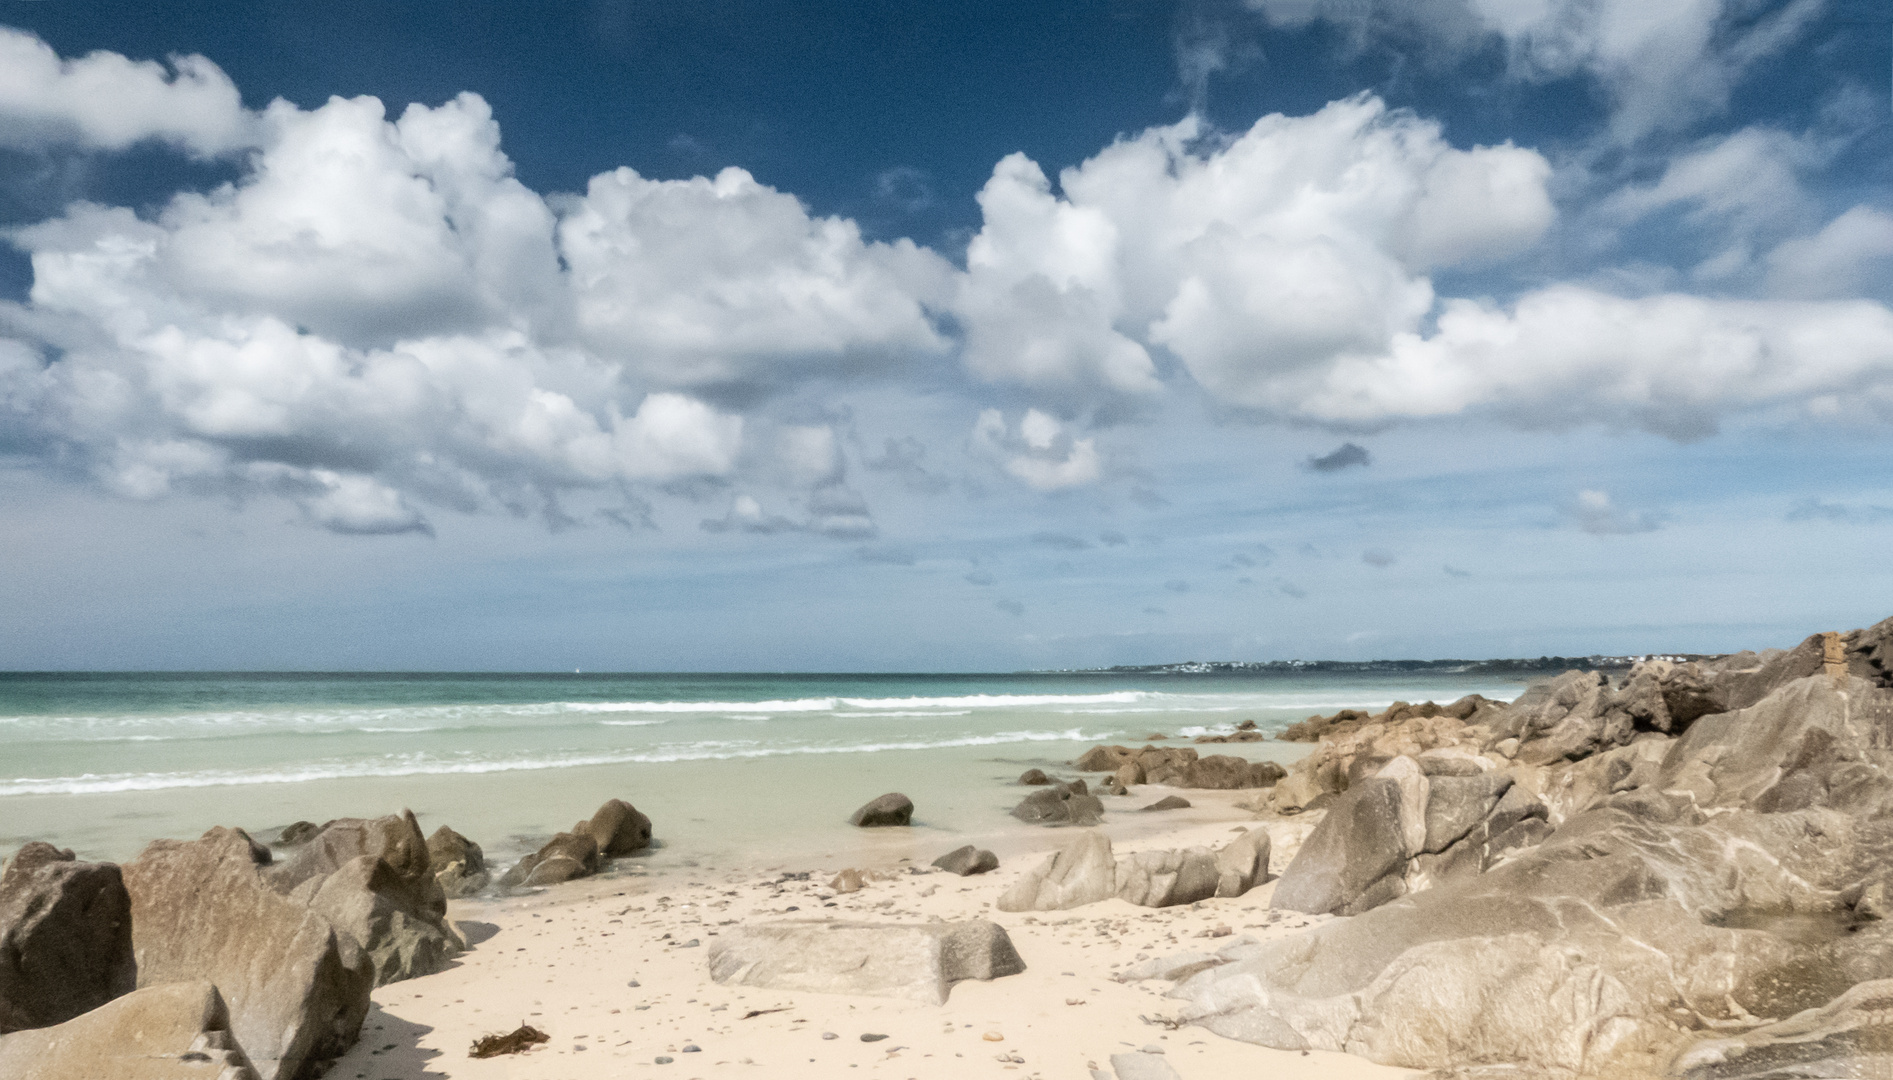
614,970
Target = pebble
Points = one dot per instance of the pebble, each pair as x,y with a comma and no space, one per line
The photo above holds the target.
691,1048
632,983
872,1038
830,1035
691,944
993,1036
1153,1048
661,1060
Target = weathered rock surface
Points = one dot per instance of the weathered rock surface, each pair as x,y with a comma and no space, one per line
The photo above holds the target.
458,863
967,861
619,829
919,962
1641,867
1083,872
564,857
1060,804
1167,878
179,1031
296,987
65,937
373,878
1243,863
892,808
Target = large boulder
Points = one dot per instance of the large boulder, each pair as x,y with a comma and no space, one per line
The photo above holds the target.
1060,804
459,864
65,937
919,962
1168,878
179,1031
1083,872
619,829
1355,858
1744,885
892,808
1103,758
564,857
1243,863
967,861
297,988
374,879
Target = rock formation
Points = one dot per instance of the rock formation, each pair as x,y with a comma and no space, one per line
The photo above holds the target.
1085,871
1685,871
459,864
373,879
1178,766
919,962
205,910
1034,777
564,857
1060,804
892,808
967,861
65,937
179,1031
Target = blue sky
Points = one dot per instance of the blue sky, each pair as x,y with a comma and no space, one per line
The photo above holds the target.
765,336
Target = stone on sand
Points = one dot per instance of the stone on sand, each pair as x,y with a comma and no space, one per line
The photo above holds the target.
1243,863
459,864
919,962
892,808
967,861
1083,872
619,829
1167,878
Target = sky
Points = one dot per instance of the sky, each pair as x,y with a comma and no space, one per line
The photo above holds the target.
747,335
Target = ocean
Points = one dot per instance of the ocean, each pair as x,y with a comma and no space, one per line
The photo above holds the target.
751,768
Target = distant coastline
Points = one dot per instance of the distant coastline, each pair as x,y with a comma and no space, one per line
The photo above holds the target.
1522,665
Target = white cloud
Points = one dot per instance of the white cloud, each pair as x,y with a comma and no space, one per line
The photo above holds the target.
1595,513
1663,63
1671,364
708,281
1039,451
1281,247
105,101
1849,254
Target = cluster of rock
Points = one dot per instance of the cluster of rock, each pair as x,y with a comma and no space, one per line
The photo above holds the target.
1061,804
1686,872
1085,872
217,957
1177,766
1245,732
616,829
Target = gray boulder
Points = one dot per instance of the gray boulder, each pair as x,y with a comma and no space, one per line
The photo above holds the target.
919,962
373,878
65,937
619,829
459,864
1060,804
1168,878
892,808
1170,802
297,988
564,857
1034,777
179,1031
967,861
1243,863
1354,858
1083,872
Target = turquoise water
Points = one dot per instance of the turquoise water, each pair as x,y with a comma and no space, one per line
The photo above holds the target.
727,764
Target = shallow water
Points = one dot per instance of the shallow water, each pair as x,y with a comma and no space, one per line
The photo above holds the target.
726,765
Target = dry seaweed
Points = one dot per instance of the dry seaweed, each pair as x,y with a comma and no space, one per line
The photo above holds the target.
513,1042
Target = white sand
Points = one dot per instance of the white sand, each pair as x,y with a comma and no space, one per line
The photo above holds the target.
562,960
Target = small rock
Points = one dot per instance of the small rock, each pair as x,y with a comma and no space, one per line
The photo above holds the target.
691,944
1170,802
1034,776
830,1035
1153,1048
870,1037
993,1036
662,1060
892,808
632,983
691,1048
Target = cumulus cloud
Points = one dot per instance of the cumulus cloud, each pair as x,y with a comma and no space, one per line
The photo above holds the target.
1848,254
1038,451
105,101
1276,249
1340,458
1595,513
